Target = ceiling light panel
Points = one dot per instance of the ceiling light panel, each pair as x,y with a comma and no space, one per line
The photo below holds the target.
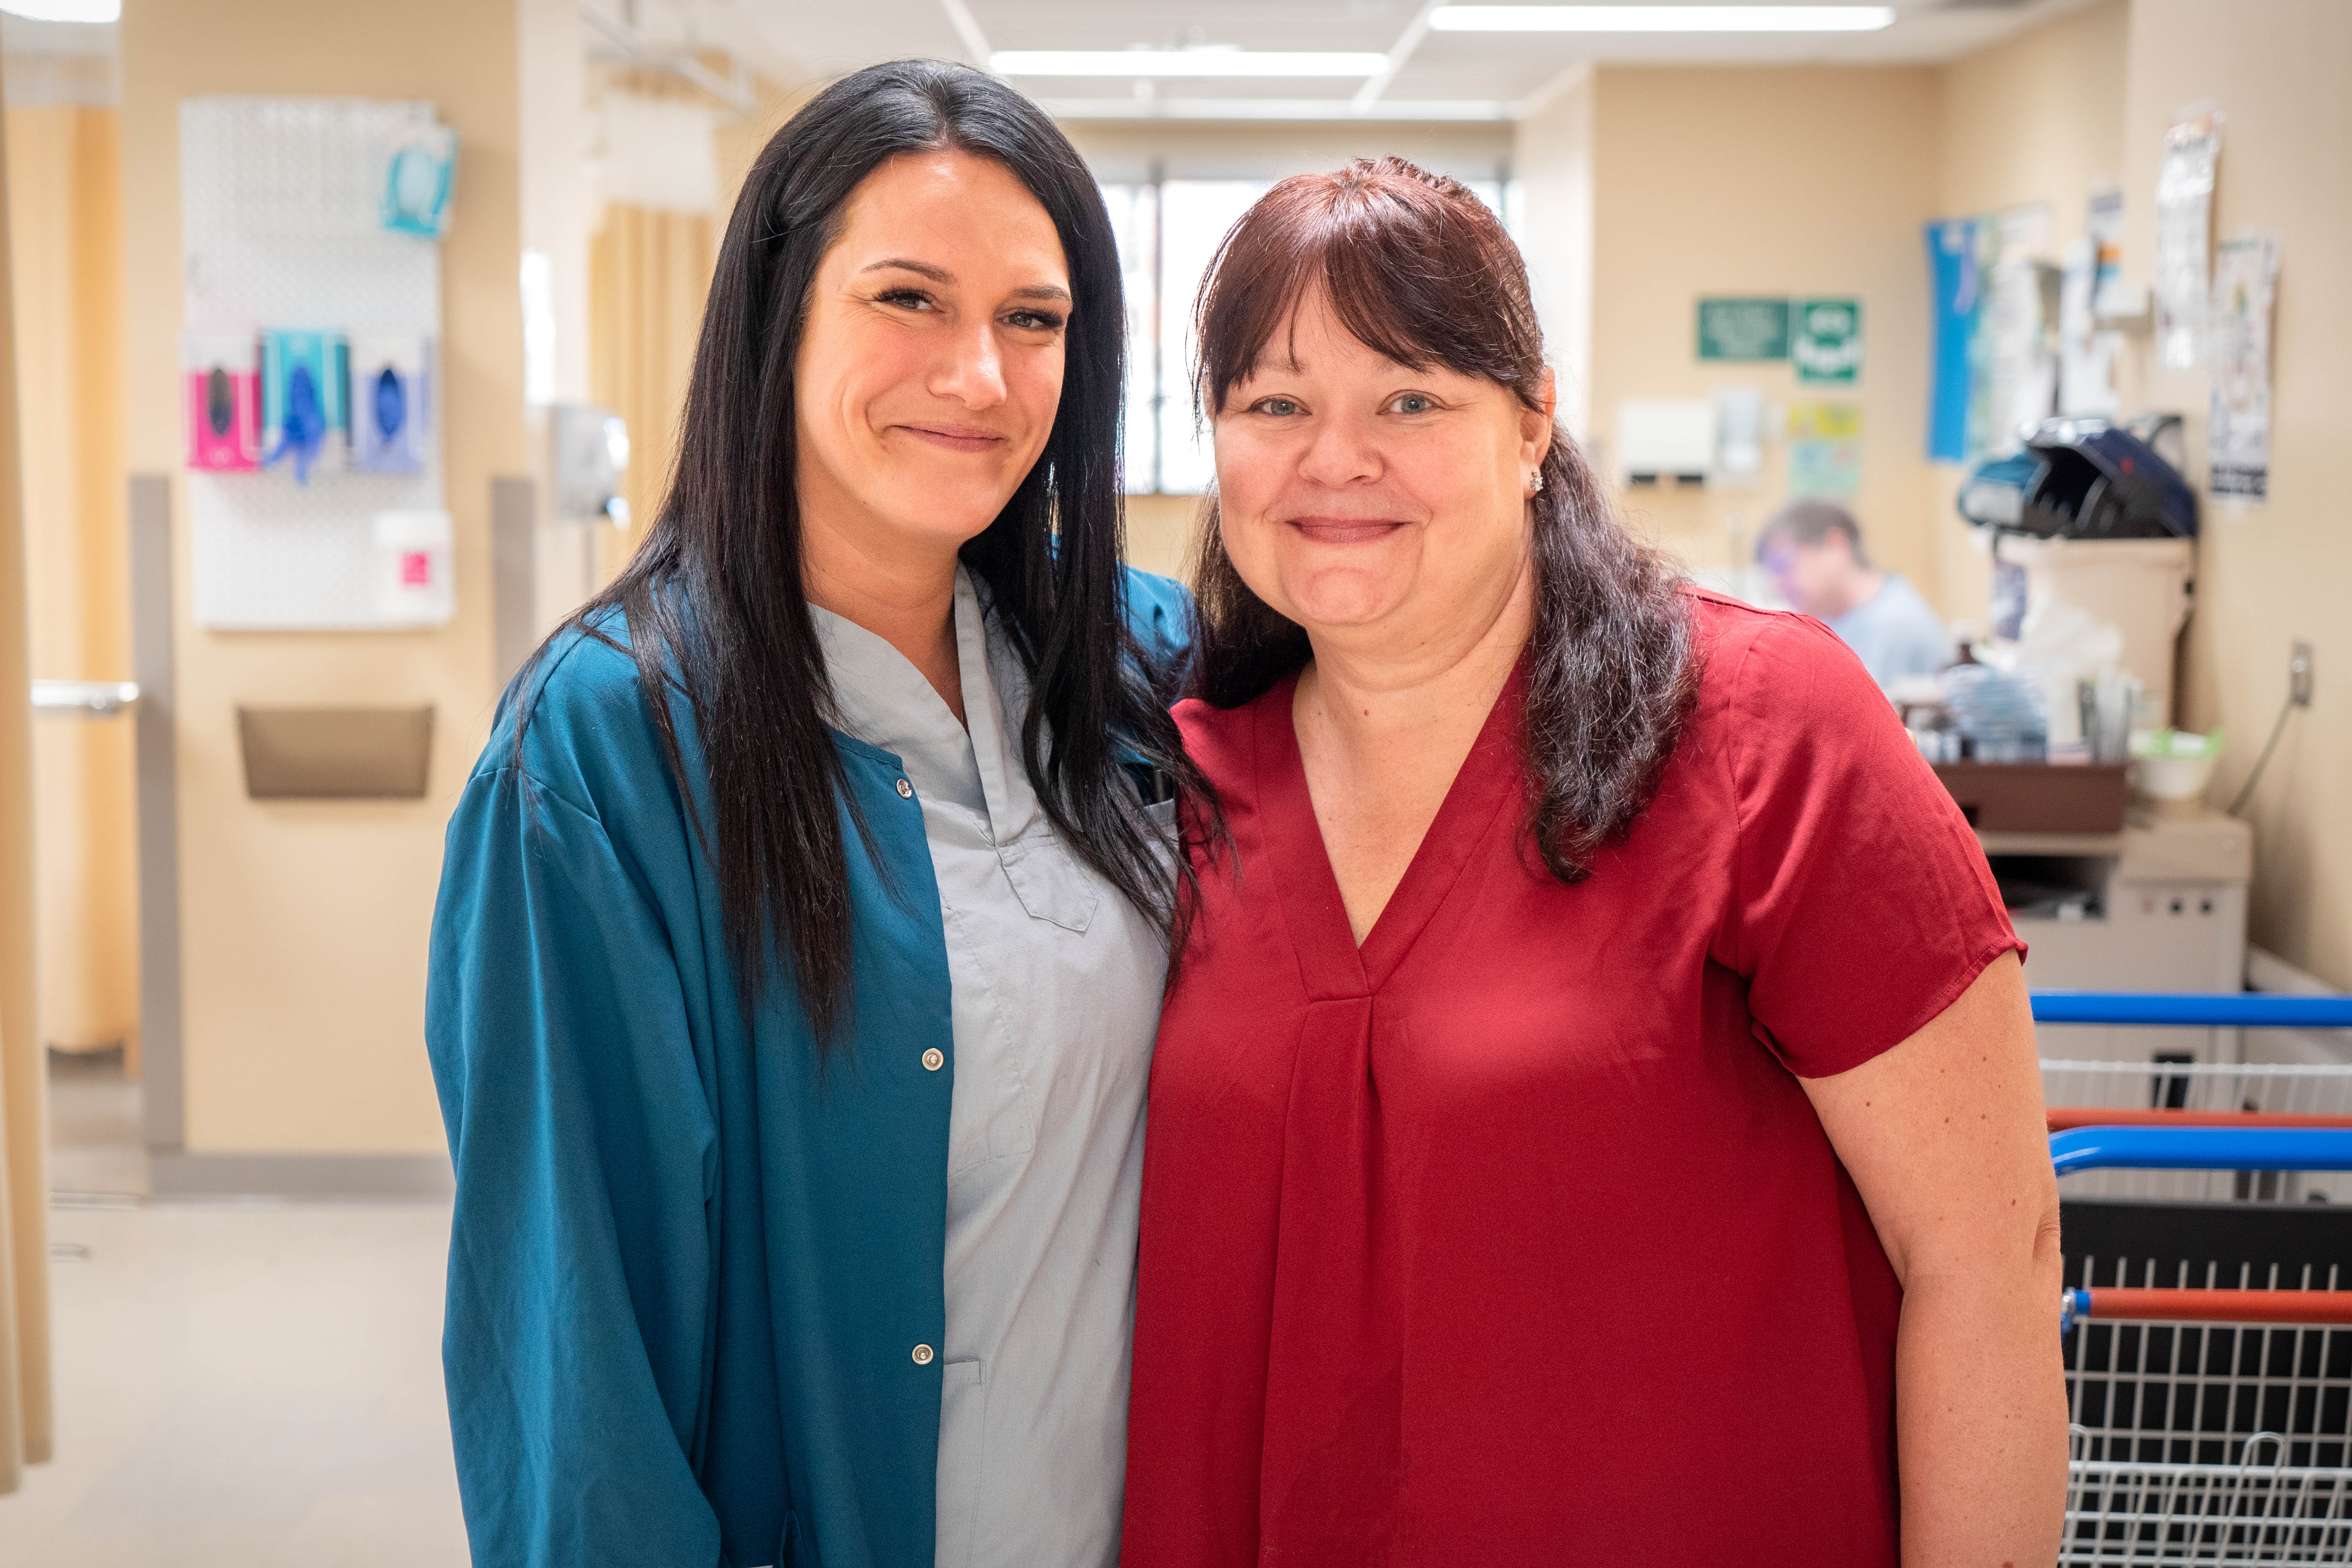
64,10
1661,18
1193,63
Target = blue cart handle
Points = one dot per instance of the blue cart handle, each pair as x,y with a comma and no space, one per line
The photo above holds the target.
2221,1010
2202,1149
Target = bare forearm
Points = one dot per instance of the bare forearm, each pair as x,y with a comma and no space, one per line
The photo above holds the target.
1980,1420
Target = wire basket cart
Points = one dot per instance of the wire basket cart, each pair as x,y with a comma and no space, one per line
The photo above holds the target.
2211,1403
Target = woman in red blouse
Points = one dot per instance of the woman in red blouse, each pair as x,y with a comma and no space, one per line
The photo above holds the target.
1596,1118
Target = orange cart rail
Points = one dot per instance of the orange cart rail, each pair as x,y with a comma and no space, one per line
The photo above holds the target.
2117,1304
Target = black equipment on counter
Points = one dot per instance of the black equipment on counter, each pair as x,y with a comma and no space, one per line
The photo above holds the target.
2085,478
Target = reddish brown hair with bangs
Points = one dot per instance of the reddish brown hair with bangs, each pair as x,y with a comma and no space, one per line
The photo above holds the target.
1417,269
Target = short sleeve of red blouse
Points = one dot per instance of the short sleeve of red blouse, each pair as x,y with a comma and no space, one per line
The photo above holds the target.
1861,904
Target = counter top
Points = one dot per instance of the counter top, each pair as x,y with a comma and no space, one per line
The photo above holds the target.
2208,848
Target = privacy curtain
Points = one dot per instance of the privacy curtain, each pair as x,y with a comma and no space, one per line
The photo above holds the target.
24,1231
66,254
648,273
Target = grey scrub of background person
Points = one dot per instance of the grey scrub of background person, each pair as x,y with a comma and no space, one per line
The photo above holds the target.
1813,551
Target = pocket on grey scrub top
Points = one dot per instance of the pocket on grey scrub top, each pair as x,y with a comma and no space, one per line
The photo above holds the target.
963,1449
1051,883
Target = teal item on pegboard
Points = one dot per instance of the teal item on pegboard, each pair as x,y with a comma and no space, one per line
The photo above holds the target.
417,182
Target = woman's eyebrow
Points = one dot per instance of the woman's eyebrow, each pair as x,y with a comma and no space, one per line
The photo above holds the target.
905,264
940,275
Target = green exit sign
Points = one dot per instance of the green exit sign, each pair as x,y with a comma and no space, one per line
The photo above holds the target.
1828,345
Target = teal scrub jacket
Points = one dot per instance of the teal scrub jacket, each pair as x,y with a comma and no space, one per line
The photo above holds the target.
687,1271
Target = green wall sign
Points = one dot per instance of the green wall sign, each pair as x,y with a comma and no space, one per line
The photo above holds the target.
1827,346
1743,329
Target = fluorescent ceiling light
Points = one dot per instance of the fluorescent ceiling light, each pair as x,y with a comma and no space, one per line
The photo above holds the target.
1339,110
1661,18
1183,62
64,10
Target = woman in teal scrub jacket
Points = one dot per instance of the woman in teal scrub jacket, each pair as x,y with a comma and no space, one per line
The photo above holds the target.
802,932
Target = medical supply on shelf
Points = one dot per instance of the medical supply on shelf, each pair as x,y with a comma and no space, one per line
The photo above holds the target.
222,374
391,405
305,416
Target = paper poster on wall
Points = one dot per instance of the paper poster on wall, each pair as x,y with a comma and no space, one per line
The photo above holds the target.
2238,429
2023,231
1824,451
2184,235
2086,356
1953,283
1743,330
2012,359
2103,225
1824,421
2017,361
1828,471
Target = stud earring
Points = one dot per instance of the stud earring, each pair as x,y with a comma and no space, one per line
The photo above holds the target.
1535,484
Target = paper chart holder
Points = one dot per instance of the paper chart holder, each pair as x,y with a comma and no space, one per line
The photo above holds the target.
335,754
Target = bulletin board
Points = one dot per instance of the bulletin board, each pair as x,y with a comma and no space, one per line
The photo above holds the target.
282,226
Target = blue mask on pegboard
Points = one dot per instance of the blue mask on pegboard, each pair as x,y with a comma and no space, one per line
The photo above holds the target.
304,428
391,406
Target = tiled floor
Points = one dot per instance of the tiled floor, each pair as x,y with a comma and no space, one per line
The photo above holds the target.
238,1386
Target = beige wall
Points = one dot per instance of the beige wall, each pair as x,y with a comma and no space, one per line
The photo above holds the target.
1791,180
2038,118
303,924
2267,574
1766,181
1160,533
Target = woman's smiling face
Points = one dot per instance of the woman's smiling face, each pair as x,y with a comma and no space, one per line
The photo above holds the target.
1360,497
929,370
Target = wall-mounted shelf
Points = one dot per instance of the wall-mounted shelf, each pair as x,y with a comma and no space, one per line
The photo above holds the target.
335,754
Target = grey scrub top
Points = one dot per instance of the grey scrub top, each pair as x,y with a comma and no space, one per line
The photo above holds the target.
1056,986
1894,633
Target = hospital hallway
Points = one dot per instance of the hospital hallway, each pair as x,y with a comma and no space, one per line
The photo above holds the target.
239,1384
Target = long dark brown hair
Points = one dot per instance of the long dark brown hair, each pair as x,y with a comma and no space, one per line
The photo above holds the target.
1419,270
714,601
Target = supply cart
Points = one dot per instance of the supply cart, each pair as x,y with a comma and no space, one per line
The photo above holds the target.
2208,1364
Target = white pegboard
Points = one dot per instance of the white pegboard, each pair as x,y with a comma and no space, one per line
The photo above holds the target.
281,227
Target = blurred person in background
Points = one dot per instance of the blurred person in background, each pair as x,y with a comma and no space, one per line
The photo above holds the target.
1813,551
1596,1118
802,930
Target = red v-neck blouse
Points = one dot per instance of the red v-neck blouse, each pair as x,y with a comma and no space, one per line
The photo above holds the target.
1511,1238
